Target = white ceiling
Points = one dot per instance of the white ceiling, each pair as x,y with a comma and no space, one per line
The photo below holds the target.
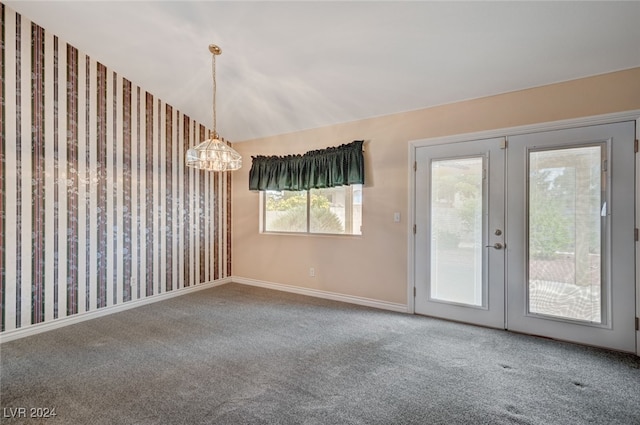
288,66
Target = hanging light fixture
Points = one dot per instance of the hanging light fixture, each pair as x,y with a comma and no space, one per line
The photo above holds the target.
214,154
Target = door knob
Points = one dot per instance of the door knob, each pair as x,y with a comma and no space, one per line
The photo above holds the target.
497,245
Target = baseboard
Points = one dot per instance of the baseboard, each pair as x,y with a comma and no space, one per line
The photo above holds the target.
90,315
384,305
78,318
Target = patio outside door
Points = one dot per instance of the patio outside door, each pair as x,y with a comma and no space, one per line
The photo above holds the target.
547,251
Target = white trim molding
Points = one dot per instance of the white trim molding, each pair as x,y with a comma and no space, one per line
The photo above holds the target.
637,194
633,115
81,317
351,299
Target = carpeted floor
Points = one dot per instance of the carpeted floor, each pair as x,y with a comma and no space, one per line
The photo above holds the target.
236,354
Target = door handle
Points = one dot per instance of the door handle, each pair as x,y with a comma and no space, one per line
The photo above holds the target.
497,245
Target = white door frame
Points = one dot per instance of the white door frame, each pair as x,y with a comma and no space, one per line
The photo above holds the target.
506,132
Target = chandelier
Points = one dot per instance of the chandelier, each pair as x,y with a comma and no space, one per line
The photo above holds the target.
213,154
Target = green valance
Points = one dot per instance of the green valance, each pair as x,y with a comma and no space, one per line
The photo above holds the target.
335,166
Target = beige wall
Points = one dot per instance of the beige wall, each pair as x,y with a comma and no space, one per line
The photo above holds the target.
375,264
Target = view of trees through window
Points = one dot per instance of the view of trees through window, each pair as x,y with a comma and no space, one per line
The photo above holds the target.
336,210
456,225
565,238
565,208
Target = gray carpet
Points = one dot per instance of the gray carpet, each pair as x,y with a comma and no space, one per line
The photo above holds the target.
242,355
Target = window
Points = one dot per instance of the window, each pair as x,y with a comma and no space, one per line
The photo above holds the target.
335,210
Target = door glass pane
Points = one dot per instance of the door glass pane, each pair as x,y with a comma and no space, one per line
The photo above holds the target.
565,236
456,230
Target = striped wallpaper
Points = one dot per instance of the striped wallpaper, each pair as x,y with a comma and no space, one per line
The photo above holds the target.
97,207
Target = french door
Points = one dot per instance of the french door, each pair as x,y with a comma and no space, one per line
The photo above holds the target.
531,233
459,240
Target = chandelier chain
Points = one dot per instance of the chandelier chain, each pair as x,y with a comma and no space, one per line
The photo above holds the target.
213,66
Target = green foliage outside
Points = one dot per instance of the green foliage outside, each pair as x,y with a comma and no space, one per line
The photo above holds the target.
323,220
549,225
470,210
463,190
285,201
564,204
548,230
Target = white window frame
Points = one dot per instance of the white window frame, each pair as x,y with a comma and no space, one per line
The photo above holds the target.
348,224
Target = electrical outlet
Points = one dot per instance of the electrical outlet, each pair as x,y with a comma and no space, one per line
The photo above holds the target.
312,272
